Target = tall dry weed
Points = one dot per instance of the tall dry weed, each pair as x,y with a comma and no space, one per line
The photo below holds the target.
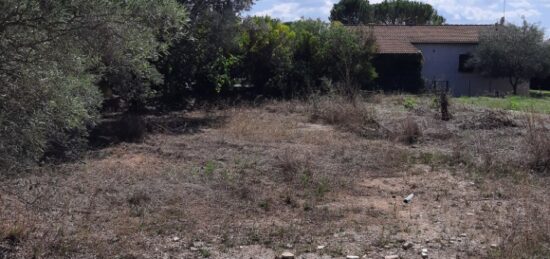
537,143
353,115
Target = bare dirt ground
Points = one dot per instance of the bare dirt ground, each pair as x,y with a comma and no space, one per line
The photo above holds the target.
320,179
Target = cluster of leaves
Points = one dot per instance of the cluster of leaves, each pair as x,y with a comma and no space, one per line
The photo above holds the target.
53,56
388,12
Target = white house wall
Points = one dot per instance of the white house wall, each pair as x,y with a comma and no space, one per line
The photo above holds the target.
441,63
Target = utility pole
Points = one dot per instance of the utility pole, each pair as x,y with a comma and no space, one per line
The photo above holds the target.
503,19
504,10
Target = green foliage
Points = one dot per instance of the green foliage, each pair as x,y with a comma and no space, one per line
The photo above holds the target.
351,12
404,12
295,58
308,68
203,64
516,103
53,54
514,52
409,103
347,53
267,53
209,168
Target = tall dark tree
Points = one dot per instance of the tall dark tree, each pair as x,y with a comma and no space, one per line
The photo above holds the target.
351,12
404,12
201,64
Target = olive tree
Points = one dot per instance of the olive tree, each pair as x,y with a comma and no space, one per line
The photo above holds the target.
517,53
54,53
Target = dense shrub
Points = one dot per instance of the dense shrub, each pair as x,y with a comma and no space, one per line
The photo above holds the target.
287,60
267,54
308,68
54,53
203,64
347,55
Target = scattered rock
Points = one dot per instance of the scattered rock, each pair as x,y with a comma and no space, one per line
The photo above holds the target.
289,246
424,253
407,245
391,257
463,235
287,255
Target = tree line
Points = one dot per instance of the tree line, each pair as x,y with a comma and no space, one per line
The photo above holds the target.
61,60
388,12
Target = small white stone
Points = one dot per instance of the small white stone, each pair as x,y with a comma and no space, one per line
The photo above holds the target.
352,257
424,253
287,255
175,239
494,245
320,247
463,235
391,257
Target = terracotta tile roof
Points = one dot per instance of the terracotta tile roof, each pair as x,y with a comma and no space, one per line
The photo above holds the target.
400,39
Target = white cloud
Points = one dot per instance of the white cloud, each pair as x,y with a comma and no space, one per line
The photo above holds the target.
456,11
483,11
294,10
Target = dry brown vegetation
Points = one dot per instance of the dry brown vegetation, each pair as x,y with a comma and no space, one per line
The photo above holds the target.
253,181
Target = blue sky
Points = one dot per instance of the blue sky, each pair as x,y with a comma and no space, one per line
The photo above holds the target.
456,11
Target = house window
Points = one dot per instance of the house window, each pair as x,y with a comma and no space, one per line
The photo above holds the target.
462,66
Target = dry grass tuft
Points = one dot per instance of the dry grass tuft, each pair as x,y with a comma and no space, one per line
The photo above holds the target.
537,143
13,234
355,116
293,163
255,125
410,131
528,235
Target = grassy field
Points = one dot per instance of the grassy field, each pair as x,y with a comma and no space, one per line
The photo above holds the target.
538,102
322,178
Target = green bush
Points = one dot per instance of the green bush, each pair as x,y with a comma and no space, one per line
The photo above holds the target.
50,67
